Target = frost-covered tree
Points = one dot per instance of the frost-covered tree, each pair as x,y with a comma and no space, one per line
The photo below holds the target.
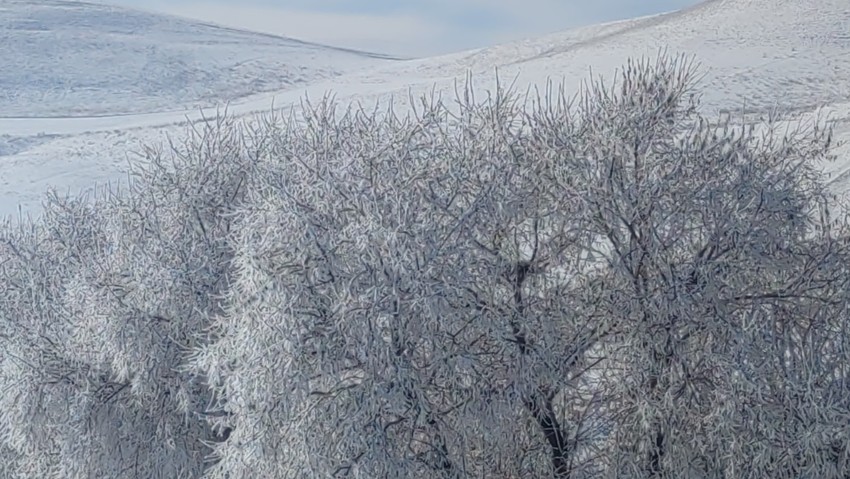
40,377
102,300
482,289
402,303
727,282
604,285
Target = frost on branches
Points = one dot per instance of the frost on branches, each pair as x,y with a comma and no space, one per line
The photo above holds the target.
606,285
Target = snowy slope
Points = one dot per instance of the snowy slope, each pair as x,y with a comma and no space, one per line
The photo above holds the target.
63,58
758,55
790,54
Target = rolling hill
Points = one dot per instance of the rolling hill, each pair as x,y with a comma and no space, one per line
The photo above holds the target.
63,58
756,55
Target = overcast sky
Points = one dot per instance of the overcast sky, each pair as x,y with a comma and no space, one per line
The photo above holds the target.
409,27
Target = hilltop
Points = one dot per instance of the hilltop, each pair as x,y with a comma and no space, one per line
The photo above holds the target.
65,58
757,56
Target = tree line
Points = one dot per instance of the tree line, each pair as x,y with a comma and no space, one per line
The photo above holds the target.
608,284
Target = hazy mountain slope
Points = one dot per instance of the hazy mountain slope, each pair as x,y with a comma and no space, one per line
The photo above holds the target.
793,55
63,58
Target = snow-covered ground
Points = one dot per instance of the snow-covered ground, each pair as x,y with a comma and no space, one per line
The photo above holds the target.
757,55
62,58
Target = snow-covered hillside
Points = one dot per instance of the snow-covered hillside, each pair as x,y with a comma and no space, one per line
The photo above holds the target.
63,58
757,55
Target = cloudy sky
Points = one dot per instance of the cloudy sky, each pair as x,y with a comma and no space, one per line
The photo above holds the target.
409,27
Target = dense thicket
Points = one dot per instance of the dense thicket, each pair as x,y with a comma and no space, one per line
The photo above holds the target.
605,285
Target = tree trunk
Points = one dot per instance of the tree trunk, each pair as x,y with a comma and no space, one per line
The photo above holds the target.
539,403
